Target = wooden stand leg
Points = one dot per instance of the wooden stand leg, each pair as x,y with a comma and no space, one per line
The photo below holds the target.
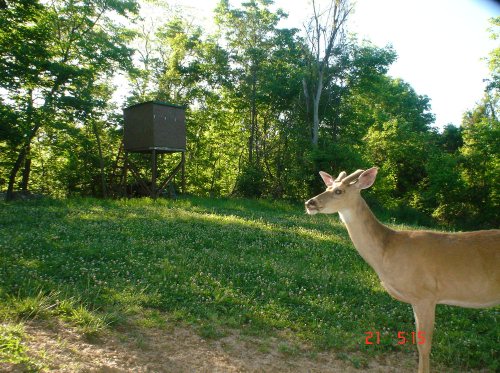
125,172
154,171
183,173
153,189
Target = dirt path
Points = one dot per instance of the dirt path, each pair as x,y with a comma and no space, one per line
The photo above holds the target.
180,349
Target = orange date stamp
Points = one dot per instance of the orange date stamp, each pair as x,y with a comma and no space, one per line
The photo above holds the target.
373,338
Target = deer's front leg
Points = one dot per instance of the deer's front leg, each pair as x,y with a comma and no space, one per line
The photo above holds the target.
424,319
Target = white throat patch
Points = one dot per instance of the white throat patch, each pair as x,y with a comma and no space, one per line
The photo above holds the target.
345,216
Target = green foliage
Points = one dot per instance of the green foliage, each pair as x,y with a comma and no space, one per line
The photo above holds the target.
251,182
218,264
400,152
451,139
461,186
494,57
247,88
58,61
481,150
13,348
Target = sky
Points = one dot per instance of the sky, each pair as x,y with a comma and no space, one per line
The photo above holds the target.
441,44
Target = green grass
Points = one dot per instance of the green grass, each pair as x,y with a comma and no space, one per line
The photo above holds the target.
257,266
13,348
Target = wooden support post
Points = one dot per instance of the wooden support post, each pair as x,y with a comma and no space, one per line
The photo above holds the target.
183,173
135,171
170,177
152,188
125,174
154,172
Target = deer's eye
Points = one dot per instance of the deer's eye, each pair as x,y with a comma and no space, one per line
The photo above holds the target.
338,191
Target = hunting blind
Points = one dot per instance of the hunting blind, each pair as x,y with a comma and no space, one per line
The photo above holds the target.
154,128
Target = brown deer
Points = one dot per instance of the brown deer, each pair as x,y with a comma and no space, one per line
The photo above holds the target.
419,267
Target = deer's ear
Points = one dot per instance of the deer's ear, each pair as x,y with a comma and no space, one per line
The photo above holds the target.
367,178
327,178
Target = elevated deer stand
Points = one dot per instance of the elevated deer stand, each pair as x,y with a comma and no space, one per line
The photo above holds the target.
154,128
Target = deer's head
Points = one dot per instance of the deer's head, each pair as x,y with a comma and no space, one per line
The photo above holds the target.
341,192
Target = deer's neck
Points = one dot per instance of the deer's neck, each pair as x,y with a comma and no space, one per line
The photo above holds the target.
367,234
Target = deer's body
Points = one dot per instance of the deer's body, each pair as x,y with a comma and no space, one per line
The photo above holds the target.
457,269
422,268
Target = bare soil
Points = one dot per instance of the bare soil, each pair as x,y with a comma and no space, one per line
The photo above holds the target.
181,349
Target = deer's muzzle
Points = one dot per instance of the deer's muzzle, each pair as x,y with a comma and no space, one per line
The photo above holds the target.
312,206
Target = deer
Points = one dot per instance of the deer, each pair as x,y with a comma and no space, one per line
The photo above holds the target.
419,267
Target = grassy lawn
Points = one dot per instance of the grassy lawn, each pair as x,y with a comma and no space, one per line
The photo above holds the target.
255,266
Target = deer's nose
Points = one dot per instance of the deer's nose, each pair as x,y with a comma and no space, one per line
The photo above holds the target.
311,203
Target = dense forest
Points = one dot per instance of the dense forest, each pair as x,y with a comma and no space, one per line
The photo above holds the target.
267,107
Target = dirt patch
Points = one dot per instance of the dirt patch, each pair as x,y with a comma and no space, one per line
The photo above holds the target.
180,349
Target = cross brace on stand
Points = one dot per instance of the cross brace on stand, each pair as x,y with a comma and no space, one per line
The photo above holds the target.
153,190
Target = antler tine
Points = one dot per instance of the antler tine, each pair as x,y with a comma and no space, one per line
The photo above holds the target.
341,176
352,177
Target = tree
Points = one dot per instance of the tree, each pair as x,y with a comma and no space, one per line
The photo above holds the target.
481,161
50,53
494,57
249,32
259,90
451,139
480,153
325,36
399,138
460,188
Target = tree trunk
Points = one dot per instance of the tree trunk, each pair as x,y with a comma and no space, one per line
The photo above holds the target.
306,97
101,159
326,34
253,117
317,98
214,177
25,147
12,177
308,103
23,152
26,171
19,161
